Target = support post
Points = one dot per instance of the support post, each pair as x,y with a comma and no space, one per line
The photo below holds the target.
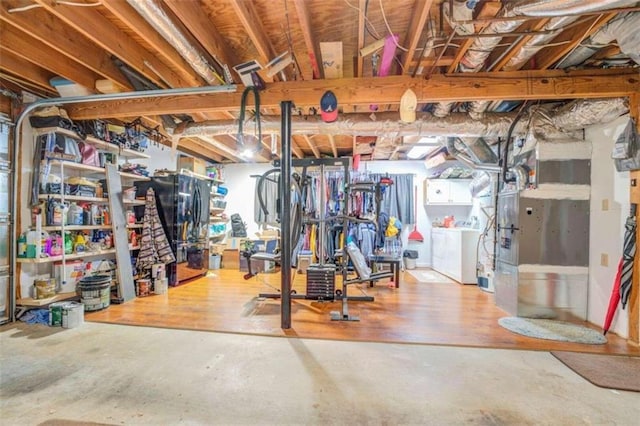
285,209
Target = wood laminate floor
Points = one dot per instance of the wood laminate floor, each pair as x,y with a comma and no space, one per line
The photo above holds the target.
438,313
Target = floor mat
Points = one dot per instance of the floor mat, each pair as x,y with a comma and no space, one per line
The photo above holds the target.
607,371
552,330
430,277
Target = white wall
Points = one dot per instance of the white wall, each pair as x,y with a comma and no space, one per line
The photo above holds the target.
241,185
161,158
606,226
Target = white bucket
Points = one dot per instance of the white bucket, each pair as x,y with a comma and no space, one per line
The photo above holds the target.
72,315
160,286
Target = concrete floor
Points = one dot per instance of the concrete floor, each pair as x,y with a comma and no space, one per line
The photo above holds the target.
110,374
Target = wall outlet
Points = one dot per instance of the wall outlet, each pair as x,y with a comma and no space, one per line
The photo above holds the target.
604,259
605,204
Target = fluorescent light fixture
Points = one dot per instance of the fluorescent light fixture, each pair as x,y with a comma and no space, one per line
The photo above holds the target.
420,151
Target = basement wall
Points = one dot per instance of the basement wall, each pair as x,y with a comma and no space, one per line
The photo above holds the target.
609,210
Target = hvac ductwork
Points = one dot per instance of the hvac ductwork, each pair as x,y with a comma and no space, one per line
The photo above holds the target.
480,150
475,57
460,156
157,17
623,29
551,124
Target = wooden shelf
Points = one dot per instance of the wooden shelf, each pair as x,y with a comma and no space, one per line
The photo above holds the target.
97,143
73,198
215,210
67,257
134,202
132,153
134,176
30,301
75,227
216,236
77,166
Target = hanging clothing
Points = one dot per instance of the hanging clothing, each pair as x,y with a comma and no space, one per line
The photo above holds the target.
154,245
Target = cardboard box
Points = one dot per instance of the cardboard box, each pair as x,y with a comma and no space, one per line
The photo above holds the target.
196,165
231,259
74,270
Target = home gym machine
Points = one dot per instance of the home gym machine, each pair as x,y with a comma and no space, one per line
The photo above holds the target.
287,236
321,276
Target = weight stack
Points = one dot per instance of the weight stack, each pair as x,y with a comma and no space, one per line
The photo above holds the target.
321,282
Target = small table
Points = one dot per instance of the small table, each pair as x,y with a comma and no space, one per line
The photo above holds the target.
394,263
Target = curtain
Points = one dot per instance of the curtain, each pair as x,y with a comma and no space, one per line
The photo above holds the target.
398,198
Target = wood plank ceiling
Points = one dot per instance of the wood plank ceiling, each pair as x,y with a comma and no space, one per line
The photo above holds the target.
128,45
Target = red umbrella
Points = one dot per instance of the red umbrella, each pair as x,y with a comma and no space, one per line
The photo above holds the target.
624,276
613,300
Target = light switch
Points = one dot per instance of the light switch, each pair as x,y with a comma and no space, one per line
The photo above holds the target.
605,204
604,259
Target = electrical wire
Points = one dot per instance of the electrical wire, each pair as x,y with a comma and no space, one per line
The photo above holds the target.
366,20
384,17
67,3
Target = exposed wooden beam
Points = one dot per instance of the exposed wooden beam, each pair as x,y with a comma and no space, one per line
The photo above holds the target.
26,70
309,39
489,10
573,36
253,26
418,19
361,23
198,148
444,61
90,23
132,19
223,148
32,50
45,28
197,22
516,46
311,145
332,142
353,145
516,85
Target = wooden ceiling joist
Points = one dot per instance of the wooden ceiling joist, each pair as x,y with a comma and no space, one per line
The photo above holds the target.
516,85
198,148
132,19
32,50
515,47
253,26
45,28
568,40
311,145
418,20
216,144
309,39
197,22
28,71
361,23
90,23
332,142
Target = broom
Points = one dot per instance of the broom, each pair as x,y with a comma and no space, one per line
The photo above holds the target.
415,235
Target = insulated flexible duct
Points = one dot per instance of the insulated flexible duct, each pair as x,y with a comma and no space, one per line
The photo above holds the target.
157,17
475,57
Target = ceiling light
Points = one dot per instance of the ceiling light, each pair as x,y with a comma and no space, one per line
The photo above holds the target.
247,153
420,151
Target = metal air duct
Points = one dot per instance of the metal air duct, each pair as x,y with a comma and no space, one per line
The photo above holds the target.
454,151
624,29
157,17
475,57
